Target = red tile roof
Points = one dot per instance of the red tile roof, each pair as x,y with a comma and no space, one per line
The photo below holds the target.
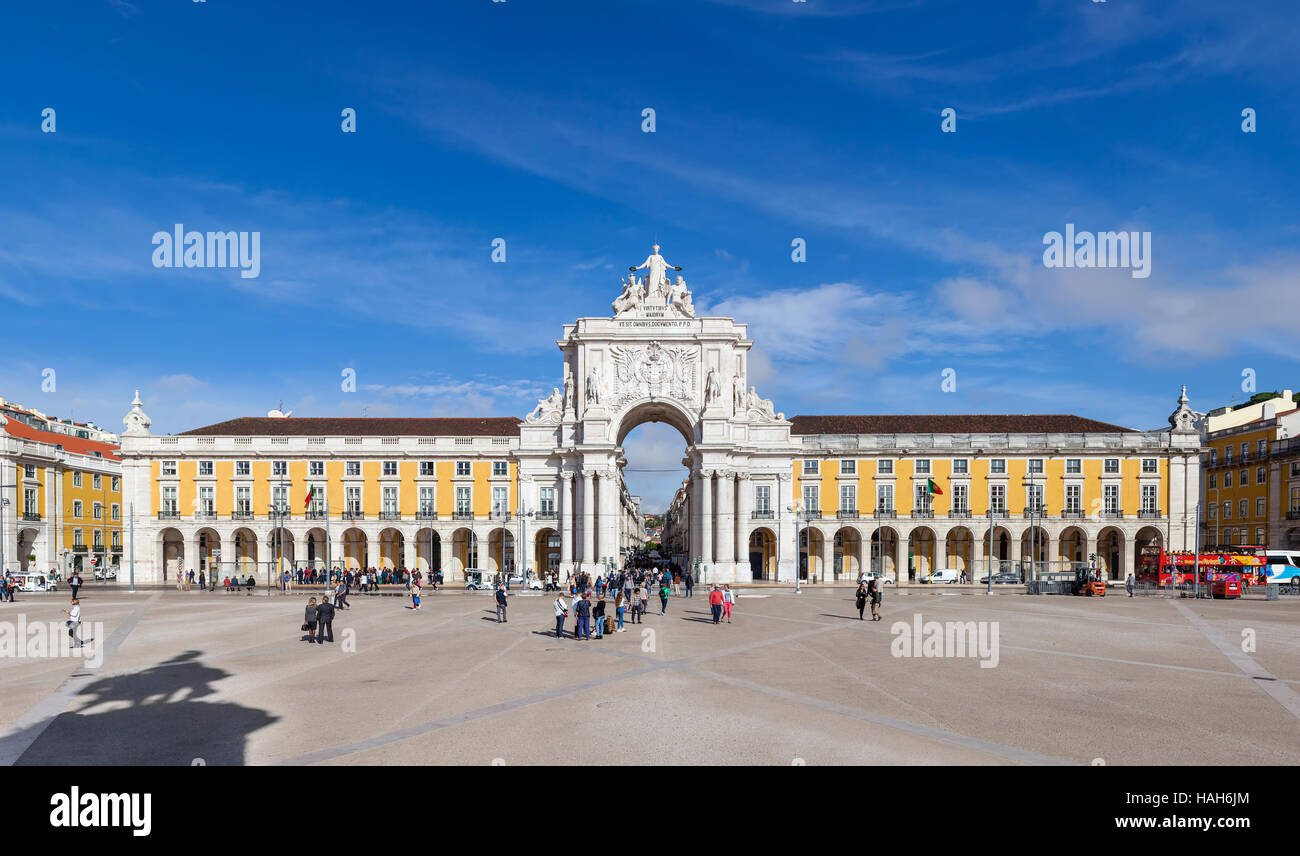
944,423
76,445
365,426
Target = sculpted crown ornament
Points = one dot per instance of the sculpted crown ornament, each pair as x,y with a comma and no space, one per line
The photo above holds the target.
137,422
1184,420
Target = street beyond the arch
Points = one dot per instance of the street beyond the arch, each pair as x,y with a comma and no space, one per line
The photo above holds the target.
216,678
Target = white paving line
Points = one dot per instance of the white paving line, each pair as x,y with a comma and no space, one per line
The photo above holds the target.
1278,690
31,725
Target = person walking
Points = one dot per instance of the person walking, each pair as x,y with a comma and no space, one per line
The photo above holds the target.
1128,586
341,595
728,601
325,621
74,621
644,590
74,583
862,600
715,604
598,615
663,597
561,612
636,604
690,585
203,582
620,607
873,592
501,605
415,596
309,620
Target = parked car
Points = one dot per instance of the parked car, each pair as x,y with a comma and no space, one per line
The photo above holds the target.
940,575
880,579
105,573
517,581
1002,578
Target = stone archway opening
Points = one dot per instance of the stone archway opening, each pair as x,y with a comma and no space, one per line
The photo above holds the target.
652,454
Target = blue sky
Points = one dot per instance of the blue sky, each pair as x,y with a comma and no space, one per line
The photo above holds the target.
522,120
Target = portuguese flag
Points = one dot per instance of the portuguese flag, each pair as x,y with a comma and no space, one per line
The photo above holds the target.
932,488
311,491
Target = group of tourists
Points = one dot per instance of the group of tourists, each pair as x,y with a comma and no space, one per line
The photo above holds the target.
630,591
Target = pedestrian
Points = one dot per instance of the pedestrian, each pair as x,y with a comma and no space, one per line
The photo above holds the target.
561,612
1128,585
728,601
598,615
582,608
203,582
309,620
74,621
644,591
663,598
74,583
873,591
415,597
862,600
341,595
690,585
325,621
620,607
715,604
501,605
636,605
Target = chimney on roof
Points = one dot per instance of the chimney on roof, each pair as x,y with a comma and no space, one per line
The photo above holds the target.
1269,411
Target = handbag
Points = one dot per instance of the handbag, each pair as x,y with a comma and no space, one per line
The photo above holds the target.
306,626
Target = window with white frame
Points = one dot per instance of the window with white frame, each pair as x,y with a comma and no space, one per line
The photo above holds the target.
923,466
1073,466
960,467
462,468
352,468
1244,507
1295,470
115,484
1110,499
29,471
97,539
1259,535
1260,507
885,498
500,500
279,468
1262,448
848,467
998,466
961,499
389,499
1245,449
168,469
1073,499
1295,499
763,499
500,468
316,468
427,500
207,500
76,506
1213,511
117,511
426,468
1110,465
205,468
1150,466
1034,499
464,504
1227,478
352,500
1227,454
390,468
30,505
1036,466
1244,478
1150,499
1212,481
1261,475
547,499
117,539
77,540
168,500
1227,510
923,504
317,503
998,498
243,468
243,501
97,482
885,467
1214,457
811,467
280,498
849,498
811,499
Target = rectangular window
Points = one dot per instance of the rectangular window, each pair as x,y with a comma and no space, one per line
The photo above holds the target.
352,468
885,468
97,482
1214,457
427,500
168,469
1260,509
205,468
1110,465
462,468
998,466
316,468
1245,449
885,498
168,500
923,504
117,511
1036,466
1260,475
280,498
1212,481
849,467
500,468
1073,466
1213,510
463,500
1295,470
1110,499
1073,499
849,498
811,499
1150,502
76,505
207,499
923,466
811,468
1259,535
352,501
1227,478
998,498
116,484
1244,507
1262,448
1149,466
390,468
500,500
98,539
317,504
243,468
1227,454
763,499
97,511
1244,478
77,540
117,539
390,500
1227,511
961,498
548,500
29,471
961,467
426,468
279,468
244,501
1034,500
1295,499
29,501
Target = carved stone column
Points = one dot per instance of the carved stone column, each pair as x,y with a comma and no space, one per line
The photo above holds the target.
744,508
786,549
566,523
588,551
706,517
726,529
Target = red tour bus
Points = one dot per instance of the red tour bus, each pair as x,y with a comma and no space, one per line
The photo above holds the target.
1246,565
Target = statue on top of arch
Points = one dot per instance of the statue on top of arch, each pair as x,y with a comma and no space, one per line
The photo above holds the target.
655,291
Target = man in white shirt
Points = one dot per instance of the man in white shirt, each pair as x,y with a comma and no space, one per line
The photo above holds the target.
74,621
561,611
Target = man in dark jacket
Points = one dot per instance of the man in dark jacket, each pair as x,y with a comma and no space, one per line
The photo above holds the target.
582,607
325,621
501,605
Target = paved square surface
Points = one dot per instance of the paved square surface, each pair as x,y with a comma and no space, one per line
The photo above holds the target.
795,679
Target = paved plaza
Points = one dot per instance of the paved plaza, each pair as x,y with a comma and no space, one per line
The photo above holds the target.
795,679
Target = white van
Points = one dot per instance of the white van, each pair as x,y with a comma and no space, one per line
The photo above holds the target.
941,575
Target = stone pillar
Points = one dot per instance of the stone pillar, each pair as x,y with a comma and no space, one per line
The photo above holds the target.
445,548
696,517
827,570
744,509
565,493
706,517
787,562
611,509
588,551
727,521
